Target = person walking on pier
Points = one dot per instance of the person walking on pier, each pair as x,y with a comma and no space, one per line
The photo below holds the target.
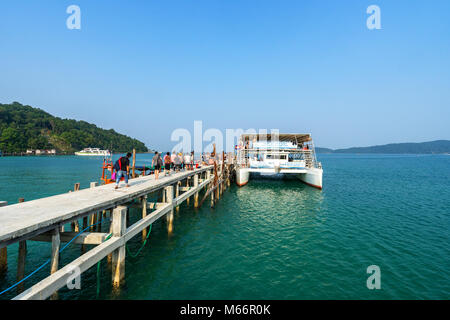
122,167
156,163
172,160
192,160
177,162
167,162
187,161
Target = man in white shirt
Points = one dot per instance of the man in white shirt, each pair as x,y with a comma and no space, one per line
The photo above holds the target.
172,158
187,161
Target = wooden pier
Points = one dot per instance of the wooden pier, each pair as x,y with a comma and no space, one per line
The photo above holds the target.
44,220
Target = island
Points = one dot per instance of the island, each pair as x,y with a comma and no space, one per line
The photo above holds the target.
25,130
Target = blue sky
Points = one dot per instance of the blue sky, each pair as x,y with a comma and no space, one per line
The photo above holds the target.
146,68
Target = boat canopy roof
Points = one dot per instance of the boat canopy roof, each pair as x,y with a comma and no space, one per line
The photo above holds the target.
296,138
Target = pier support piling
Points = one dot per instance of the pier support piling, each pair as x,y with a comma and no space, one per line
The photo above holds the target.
21,260
54,264
3,251
177,193
74,224
187,187
196,194
21,264
144,214
93,216
212,198
118,255
169,199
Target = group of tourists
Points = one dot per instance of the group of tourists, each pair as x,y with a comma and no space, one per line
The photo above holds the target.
174,161
170,162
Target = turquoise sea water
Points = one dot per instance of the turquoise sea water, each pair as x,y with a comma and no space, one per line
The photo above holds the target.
272,239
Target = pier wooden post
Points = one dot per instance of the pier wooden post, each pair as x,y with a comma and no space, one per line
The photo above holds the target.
54,264
75,225
196,194
93,216
100,216
134,164
3,251
21,264
208,176
177,193
87,219
118,255
169,216
187,186
217,185
144,214
21,260
56,243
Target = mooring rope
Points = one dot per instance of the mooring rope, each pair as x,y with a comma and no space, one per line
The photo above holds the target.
142,246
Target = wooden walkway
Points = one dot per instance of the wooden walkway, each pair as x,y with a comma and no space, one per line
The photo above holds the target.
22,221
44,220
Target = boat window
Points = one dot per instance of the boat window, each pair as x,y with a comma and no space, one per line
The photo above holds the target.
295,157
276,156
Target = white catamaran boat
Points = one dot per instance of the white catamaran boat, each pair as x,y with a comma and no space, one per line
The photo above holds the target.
93,152
281,156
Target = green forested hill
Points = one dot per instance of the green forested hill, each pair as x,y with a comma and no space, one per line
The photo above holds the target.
23,127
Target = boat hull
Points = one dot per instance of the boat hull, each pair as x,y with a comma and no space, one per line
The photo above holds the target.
310,176
313,177
92,154
242,176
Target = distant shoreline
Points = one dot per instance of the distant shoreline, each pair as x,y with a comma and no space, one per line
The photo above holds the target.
431,147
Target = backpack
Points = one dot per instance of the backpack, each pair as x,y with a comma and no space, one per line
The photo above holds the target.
118,164
157,161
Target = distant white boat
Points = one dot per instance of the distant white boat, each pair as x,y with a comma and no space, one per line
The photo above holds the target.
290,155
93,152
